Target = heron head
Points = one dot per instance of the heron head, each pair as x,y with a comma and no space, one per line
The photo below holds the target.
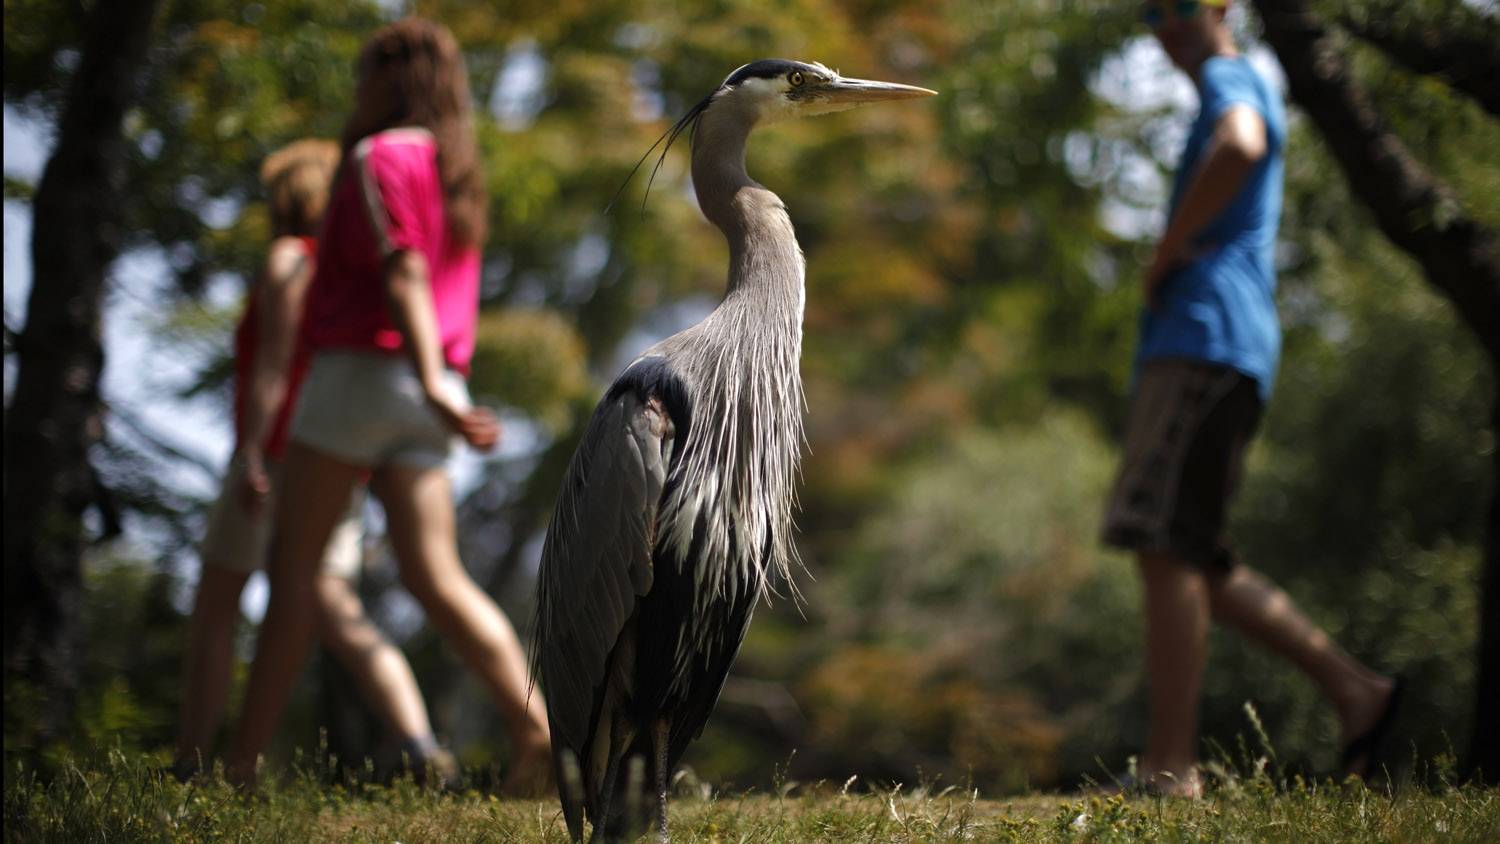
768,90
779,89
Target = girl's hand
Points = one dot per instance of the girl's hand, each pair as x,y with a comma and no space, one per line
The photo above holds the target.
477,425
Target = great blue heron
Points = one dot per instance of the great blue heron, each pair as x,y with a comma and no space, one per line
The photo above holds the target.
676,510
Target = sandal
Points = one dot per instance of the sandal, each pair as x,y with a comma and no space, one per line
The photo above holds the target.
1369,744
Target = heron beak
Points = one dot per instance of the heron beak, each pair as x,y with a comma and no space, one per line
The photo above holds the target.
848,92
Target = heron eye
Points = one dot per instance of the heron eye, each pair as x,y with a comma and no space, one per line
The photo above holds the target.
795,77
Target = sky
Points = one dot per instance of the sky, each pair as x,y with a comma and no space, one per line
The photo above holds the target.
133,370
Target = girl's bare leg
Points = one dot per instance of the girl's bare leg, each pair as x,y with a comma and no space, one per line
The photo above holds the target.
379,667
419,515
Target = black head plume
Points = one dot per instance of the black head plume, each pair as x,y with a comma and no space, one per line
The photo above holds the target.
689,123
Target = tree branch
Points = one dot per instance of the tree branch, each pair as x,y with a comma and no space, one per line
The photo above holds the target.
1467,60
138,426
1459,256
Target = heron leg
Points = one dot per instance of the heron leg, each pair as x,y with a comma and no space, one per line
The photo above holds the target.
617,744
660,733
601,820
570,790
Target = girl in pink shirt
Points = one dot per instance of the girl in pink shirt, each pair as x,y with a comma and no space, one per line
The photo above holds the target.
391,200
389,327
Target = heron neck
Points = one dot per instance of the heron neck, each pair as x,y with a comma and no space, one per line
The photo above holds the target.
766,267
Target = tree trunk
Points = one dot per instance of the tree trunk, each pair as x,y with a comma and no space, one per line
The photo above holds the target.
1459,256
54,416
1484,747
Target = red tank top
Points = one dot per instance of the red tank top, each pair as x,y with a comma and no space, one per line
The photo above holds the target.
246,342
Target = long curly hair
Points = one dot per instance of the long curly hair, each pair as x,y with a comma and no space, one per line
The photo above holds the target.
411,73
296,179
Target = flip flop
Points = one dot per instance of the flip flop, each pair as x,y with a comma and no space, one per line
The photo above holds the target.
1130,785
1370,742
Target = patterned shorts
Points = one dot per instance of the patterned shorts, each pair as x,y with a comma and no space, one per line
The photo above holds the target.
1184,447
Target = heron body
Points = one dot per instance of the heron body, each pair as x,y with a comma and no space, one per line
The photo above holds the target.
676,512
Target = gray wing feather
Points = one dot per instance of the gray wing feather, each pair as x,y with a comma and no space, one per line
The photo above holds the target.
597,556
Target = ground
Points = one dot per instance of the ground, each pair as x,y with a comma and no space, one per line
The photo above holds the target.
125,800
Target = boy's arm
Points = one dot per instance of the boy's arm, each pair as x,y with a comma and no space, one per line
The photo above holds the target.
1238,142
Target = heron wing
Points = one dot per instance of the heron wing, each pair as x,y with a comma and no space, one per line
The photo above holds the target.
597,558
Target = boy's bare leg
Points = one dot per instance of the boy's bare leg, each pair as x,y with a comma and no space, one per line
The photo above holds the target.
1248,602
1177,618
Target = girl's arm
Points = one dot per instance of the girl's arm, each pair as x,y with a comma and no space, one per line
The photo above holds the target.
410,301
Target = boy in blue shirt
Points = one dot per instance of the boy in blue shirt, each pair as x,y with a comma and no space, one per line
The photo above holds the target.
1209,344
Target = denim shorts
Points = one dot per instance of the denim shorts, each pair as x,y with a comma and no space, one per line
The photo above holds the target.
368,409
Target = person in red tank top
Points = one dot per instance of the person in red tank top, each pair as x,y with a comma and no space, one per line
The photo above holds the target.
270,365
302,251
390,329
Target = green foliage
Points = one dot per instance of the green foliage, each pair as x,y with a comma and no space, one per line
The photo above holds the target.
37,35
969,328
131,681
128,686
18,189
972,625
532,361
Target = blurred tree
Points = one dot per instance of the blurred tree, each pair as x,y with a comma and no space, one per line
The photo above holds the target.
1458,252
53,418
1462,52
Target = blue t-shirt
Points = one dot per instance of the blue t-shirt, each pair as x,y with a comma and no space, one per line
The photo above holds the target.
1221,308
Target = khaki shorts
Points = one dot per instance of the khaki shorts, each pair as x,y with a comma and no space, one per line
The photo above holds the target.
239,540
368,409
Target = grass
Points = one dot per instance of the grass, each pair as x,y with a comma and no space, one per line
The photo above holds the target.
125,799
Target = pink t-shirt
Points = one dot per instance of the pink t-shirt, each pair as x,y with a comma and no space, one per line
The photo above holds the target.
389,197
